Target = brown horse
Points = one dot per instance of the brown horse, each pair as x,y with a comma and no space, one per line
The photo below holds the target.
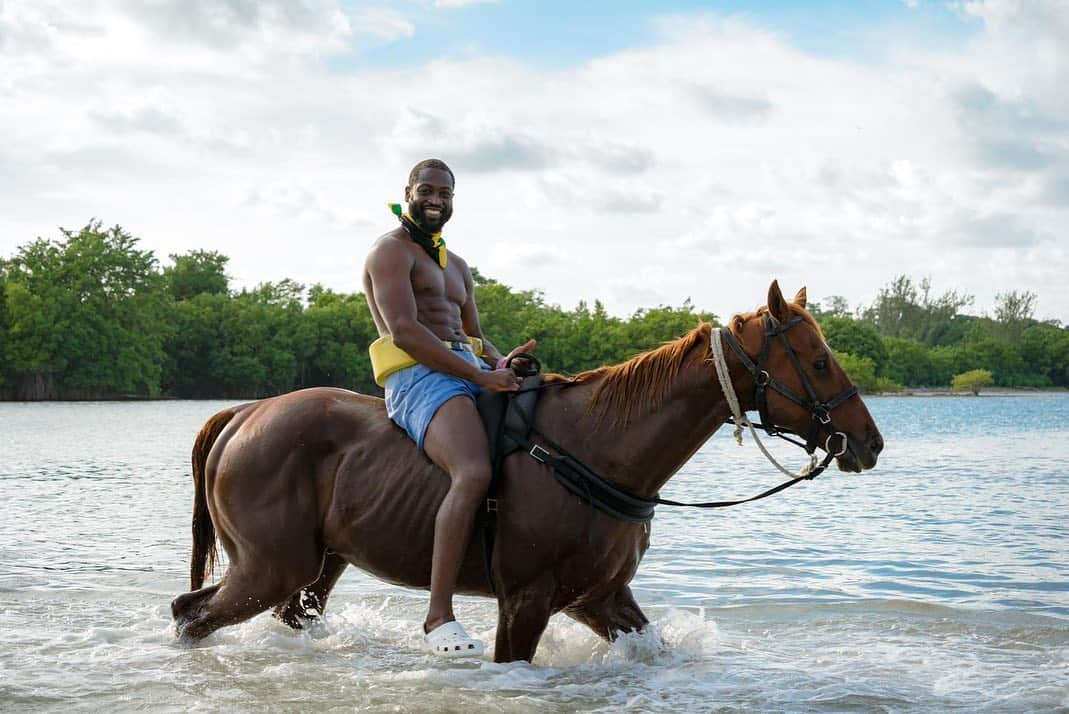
299,486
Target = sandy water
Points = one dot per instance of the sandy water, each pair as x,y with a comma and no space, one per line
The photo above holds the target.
937,582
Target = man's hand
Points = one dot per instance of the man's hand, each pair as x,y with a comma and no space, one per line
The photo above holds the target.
521,365
499,380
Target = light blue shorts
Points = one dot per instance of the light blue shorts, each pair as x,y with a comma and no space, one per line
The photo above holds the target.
414,394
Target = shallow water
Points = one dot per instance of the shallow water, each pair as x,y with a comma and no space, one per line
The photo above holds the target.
937,582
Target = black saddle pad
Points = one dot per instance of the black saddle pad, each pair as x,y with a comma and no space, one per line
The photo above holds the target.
520,414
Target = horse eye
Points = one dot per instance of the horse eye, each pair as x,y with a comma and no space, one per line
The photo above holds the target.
820,364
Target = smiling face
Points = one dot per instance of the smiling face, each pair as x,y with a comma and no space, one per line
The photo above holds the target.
430,199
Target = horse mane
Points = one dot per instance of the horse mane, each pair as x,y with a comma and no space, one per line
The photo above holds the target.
642,382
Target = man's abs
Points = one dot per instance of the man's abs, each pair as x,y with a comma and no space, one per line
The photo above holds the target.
441,316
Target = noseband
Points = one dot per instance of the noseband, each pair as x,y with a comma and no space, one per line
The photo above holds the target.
819,412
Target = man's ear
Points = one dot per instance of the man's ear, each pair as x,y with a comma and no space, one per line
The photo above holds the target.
408,194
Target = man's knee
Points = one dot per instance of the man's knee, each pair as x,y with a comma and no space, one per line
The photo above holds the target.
470,480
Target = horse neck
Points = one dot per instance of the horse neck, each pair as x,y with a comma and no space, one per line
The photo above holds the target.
642,452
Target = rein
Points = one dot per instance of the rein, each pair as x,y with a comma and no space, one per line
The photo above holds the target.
620,503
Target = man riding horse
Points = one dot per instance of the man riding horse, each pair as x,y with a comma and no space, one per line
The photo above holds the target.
298,487
433,359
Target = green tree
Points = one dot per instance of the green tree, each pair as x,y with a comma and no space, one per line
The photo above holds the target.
856,338
649,327
861,370
909,362
511,317
944,362
85,316
973,380
831,306
1014,312
1045,348
197,272
909,311
4,366
986,348
341,328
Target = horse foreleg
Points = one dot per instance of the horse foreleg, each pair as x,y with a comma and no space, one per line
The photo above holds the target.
309,602
186,606
522,616
612,616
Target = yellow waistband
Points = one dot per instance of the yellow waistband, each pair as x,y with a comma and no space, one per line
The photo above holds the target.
387,358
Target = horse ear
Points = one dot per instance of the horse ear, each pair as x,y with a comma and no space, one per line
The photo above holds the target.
799,297
777,306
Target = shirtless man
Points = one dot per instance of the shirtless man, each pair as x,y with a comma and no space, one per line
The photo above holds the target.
424,298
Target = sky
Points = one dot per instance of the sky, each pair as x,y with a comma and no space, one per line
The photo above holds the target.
637,153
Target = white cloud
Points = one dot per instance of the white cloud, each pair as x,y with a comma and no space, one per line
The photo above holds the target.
717,159
729,106
383,23
472,143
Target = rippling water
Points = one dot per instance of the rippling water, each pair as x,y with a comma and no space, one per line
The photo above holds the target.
937,582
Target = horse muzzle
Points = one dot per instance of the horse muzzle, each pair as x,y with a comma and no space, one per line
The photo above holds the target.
860,454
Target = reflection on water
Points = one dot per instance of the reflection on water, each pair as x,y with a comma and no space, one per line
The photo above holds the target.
939,581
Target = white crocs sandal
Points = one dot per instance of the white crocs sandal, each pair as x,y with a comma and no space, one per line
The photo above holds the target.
450,640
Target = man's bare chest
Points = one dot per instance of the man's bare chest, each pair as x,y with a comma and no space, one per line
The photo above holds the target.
429,282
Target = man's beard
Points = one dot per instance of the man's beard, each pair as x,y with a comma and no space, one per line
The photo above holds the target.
416,211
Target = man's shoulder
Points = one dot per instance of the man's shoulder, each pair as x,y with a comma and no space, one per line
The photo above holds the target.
394,240
390,249
394,235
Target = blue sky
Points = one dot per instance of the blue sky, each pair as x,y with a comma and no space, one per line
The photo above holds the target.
559,35
831,144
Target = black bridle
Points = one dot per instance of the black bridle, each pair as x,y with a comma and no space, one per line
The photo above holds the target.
819,412
618,502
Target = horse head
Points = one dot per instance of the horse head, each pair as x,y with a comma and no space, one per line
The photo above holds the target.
799,387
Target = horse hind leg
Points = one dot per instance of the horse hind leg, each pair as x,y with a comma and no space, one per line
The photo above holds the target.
309,602
254,582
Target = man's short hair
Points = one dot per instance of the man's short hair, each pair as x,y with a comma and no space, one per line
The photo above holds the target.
413,175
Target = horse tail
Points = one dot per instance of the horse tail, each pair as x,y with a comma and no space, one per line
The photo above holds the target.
202,563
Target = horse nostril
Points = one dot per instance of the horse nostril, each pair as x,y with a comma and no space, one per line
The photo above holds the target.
876,443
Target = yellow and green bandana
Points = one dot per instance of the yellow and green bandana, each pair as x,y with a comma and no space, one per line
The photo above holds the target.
432,243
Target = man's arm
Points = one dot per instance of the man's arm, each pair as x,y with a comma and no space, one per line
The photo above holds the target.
389,267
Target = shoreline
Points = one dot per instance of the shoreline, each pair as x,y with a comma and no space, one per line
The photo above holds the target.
986,392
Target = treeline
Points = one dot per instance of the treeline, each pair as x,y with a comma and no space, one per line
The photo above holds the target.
911,337
91,315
